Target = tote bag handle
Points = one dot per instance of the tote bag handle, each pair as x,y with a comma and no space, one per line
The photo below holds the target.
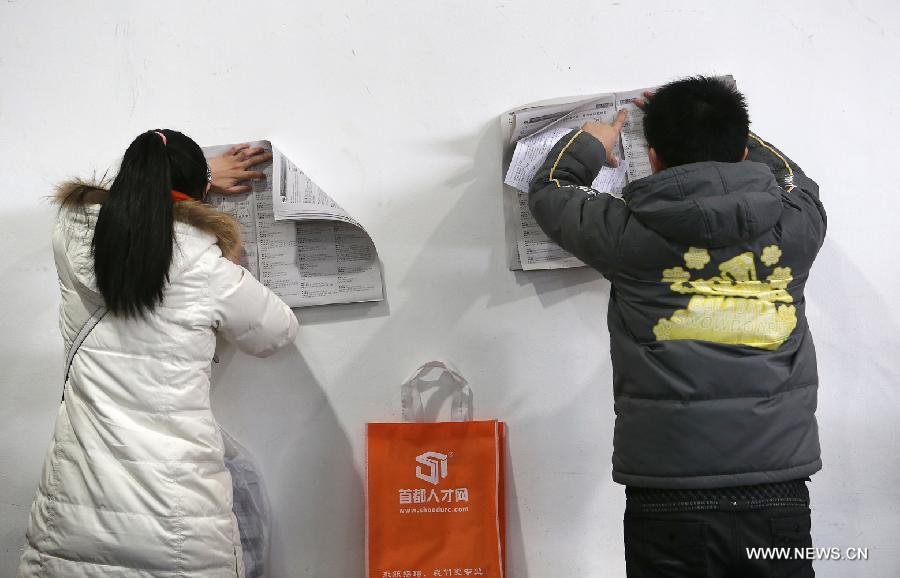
430,375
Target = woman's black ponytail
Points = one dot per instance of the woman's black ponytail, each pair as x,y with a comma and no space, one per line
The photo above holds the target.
135,228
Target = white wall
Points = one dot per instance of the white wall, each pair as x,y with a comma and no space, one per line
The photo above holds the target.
392,106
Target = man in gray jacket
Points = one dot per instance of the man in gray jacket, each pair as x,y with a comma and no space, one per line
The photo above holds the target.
714,369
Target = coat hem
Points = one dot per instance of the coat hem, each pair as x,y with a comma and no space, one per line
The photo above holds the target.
718,480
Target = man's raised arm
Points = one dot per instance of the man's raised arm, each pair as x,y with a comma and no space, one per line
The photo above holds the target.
582,221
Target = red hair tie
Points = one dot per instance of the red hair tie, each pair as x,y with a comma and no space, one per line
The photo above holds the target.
179,196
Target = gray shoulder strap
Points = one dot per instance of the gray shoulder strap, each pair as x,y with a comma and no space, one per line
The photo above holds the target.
91,322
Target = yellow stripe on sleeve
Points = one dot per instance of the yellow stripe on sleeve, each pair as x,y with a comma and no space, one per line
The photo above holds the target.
789,180
561,153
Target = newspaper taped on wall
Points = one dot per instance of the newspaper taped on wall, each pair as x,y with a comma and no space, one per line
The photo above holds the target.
297,240
529,132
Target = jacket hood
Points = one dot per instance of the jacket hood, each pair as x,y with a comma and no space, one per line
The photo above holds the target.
204,217
708,204
197,227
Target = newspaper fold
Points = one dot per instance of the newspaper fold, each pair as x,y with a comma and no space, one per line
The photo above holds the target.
298,241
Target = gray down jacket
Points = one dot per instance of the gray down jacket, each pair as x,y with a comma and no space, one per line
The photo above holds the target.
714,368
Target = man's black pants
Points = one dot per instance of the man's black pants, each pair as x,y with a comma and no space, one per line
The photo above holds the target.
716,536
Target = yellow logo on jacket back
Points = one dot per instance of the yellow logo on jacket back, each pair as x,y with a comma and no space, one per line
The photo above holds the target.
735,307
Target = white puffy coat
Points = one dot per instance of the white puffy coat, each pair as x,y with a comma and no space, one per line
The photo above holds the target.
134,483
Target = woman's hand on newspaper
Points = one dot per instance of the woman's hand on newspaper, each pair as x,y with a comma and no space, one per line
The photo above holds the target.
231,169
608,135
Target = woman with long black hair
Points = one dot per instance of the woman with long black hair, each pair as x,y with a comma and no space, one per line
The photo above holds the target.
134,482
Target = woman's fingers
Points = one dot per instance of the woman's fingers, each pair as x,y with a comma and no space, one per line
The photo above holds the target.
237,189
234,150
238,176
249,153
255,159
247,156
242,175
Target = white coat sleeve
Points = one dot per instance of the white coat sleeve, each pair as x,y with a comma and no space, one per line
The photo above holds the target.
248,313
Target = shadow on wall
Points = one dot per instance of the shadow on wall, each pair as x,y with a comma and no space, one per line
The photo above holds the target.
856,493
465,257
32,358
481,208
306,460
338,313
573,496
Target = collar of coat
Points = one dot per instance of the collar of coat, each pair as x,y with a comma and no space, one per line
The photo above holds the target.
200,215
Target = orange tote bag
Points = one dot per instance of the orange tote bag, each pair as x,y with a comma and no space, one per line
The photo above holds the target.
435,499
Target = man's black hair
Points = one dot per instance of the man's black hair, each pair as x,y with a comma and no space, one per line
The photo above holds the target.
697,119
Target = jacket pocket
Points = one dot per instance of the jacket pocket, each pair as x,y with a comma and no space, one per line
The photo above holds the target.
793,534
660,548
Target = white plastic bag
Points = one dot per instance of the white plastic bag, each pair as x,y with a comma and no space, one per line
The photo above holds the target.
251,507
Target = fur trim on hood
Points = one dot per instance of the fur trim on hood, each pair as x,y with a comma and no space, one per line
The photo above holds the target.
200,215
